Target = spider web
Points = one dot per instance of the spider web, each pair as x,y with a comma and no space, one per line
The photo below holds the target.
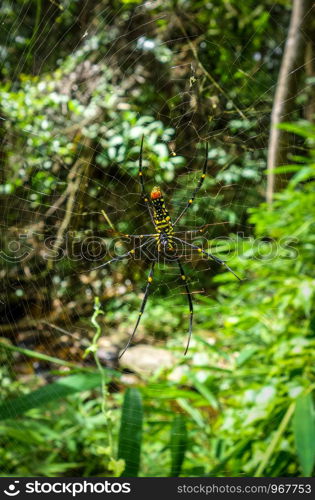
97,193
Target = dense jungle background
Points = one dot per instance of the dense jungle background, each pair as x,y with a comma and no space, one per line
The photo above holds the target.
81,83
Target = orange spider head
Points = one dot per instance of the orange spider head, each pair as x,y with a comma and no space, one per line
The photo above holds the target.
156,193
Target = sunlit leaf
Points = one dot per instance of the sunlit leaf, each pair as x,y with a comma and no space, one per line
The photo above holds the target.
178,444
130,435
304,432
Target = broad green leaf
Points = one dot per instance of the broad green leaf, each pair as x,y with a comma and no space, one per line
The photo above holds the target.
130,435
50,392
178,444
304,432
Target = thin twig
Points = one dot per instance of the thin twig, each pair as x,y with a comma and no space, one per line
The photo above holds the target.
74,178
107,219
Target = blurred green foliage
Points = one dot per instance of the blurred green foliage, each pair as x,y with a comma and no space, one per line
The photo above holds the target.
79,88
246,368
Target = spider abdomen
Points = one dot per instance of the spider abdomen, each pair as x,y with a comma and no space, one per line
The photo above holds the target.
162,221
161,216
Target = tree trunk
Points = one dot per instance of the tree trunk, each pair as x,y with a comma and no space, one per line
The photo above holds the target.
286,90
310,73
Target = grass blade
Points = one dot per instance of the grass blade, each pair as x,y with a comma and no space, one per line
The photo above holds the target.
42,356
275,440
130,435
304,433
178,444
192,411
206,393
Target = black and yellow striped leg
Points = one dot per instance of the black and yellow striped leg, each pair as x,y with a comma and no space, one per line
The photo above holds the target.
143,192
195,232
200,182
191,308
124,256
144,301
209,255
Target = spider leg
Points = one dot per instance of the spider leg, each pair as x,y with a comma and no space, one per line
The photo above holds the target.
201,230
124,256
143,192
152,235
210,256
144,301
191,309
134,236
200,182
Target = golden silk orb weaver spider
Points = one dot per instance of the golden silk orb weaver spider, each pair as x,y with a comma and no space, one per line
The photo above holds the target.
165,241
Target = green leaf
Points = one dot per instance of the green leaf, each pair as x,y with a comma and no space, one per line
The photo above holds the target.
27,436
266,458
235,451
178,444
195,414
302,128
284,169
130,435
44,395
245,355
304,432
57,468
41,356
